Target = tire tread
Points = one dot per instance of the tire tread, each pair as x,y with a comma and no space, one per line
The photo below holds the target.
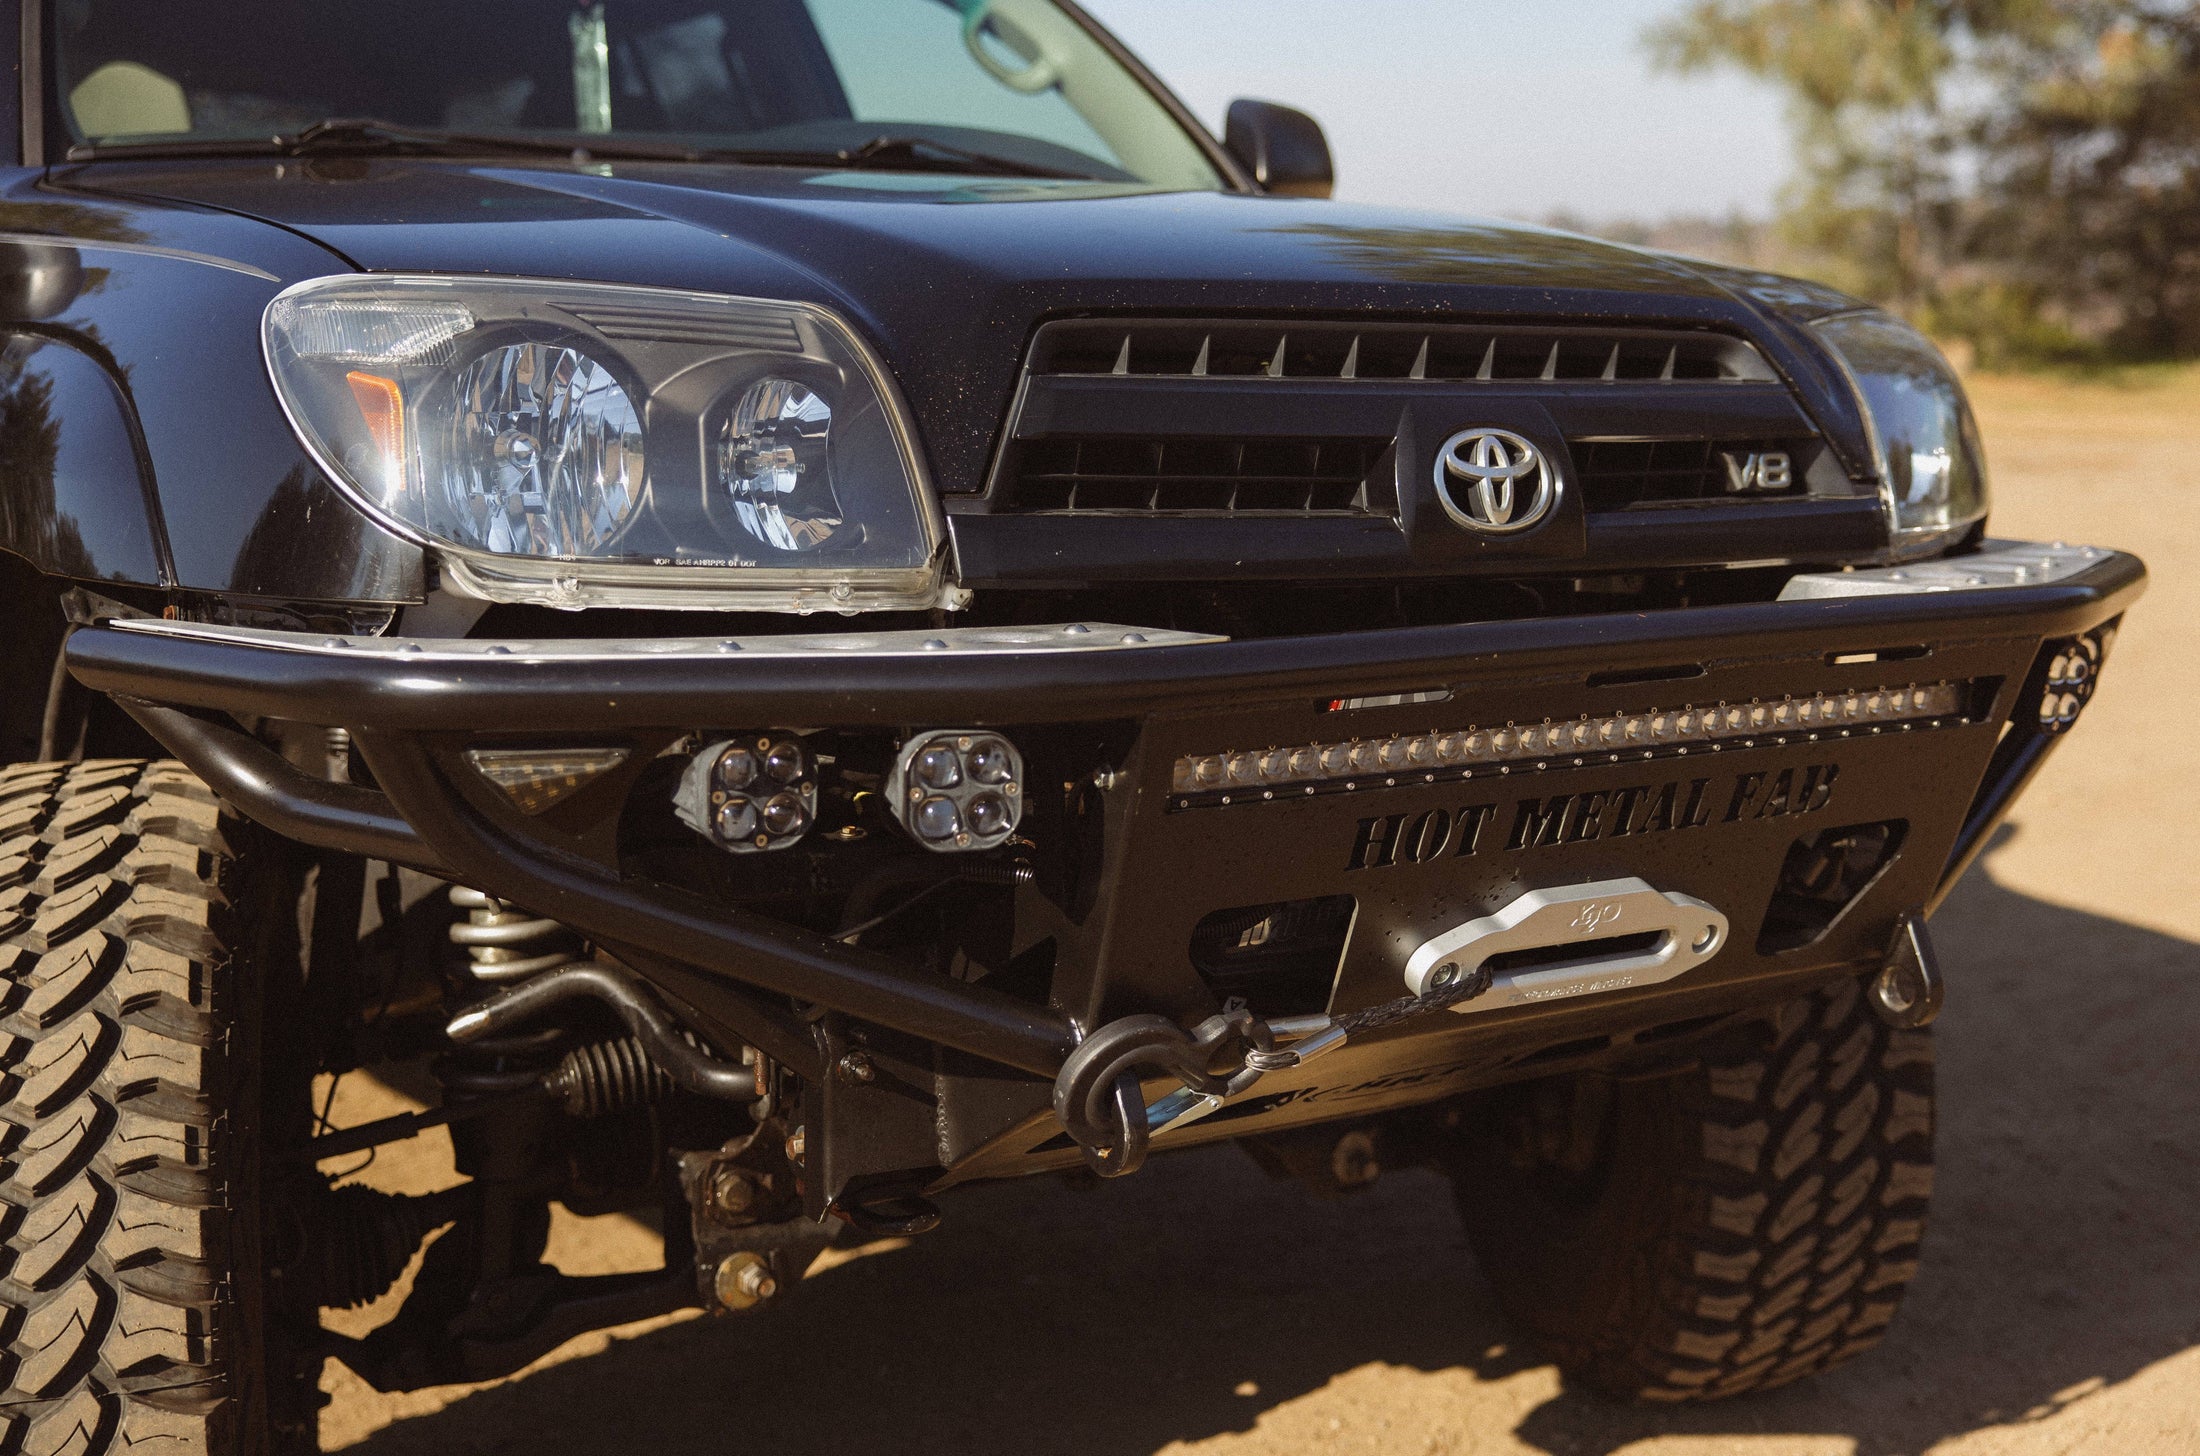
115,1194
1798,1229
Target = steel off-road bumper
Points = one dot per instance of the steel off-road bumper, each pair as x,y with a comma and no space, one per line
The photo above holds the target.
1141,847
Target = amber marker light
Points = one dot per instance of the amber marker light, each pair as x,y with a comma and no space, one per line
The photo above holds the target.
382,406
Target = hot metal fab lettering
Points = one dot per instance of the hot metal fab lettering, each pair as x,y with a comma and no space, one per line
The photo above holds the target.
1384,841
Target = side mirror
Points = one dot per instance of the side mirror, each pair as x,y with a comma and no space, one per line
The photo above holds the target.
1283,149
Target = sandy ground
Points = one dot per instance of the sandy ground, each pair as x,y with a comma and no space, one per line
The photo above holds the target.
1200,1308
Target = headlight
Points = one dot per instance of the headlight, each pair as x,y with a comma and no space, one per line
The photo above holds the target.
1931,469
581,444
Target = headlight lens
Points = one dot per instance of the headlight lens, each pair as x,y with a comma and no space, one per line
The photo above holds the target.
542,453
775,461
1931,467
583,444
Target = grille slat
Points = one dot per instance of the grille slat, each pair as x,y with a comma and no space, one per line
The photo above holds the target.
1446,353
1174,475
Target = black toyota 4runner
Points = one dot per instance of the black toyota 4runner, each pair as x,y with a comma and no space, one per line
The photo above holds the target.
784,606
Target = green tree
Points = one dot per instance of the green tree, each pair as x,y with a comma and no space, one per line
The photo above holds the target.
2022,172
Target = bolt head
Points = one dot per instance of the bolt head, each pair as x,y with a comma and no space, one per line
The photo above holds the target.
1353,1163
732,1193
744,1280
856,1067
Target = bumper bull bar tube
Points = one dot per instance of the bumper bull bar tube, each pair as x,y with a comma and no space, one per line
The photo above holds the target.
778,958
388,693
421,685
268,789
812,968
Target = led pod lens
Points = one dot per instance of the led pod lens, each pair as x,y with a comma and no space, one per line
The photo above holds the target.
574,444
750,795
958,790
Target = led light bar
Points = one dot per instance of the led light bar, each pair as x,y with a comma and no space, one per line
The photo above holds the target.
1427,757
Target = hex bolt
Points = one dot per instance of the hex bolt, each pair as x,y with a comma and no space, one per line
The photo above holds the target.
856,1067
797,1146
732,1194
744,1280
1352,1162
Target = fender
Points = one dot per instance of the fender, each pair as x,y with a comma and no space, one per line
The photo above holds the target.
140,441
75,498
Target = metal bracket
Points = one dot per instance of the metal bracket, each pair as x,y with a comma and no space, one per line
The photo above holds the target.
1603,920
1907,991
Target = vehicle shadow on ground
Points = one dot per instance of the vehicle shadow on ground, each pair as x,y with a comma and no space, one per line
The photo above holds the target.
2062,1259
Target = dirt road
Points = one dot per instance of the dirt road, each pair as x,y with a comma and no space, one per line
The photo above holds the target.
1201,1308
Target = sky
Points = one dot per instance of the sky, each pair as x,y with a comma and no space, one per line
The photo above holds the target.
1518,108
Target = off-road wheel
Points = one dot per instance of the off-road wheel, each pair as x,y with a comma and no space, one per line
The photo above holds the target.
1727,1229
146,940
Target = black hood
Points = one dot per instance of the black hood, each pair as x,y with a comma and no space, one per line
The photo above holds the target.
948,275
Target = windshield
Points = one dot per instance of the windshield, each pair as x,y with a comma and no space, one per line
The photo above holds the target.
1017,80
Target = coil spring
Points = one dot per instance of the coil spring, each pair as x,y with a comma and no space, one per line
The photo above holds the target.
498,938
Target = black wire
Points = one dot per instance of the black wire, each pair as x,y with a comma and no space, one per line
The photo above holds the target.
848,937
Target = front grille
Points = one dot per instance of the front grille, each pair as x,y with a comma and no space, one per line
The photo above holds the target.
1446,353
1091,474
1618,475
1200,450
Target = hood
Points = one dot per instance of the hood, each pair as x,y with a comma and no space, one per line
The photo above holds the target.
947,275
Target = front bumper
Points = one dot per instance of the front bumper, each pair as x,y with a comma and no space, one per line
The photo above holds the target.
1135,860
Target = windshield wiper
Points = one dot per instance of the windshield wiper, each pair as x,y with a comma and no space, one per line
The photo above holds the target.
896,154
356,136
924,154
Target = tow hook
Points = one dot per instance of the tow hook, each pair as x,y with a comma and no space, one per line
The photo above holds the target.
1907,991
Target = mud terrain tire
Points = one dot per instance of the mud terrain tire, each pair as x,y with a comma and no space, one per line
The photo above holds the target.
1741,1225
141,931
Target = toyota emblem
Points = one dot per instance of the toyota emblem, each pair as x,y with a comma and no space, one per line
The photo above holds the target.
1495,482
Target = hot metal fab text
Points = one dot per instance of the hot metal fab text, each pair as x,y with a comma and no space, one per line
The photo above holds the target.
1388,840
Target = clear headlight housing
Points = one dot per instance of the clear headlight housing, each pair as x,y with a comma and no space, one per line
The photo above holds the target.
576,444
1932,469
